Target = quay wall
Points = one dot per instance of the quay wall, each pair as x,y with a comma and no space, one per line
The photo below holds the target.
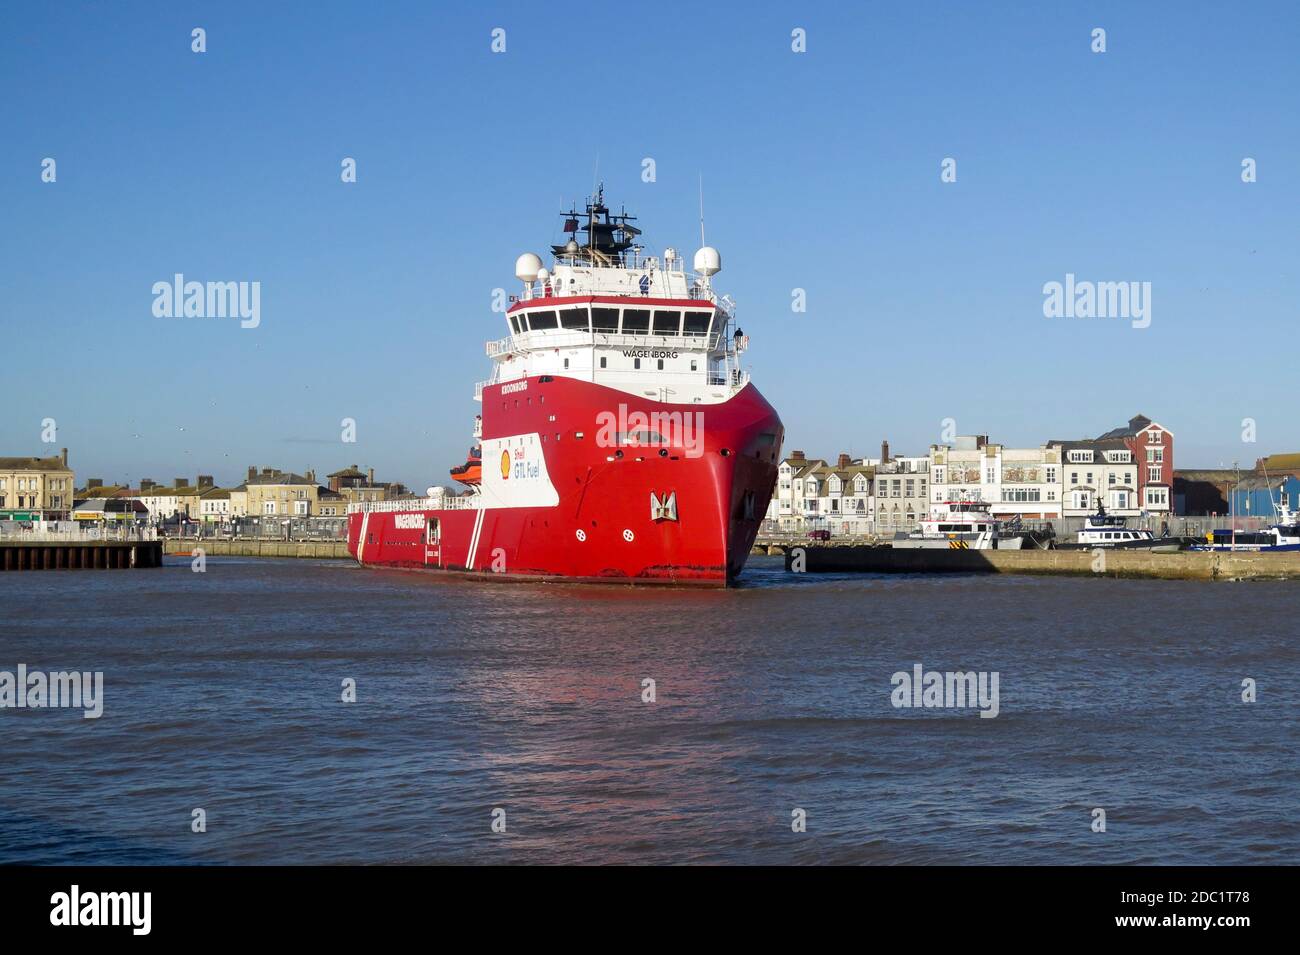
1186,565
332,549
79,555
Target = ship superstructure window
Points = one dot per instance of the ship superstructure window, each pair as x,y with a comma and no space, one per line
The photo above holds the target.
541,320
604,320
603,361
636,321
697,323
516,324
667,323
574,318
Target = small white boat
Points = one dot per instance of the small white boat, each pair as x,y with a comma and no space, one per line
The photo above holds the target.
1109,532
959,525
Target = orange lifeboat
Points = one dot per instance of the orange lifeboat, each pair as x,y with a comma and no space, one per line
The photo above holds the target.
471,472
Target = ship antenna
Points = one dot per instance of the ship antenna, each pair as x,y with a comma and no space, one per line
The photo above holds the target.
702,243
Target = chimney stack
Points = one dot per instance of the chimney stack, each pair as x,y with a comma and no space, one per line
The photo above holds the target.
845,461
311,475
252,471
181,482
94,482
64,457
797,456
205,480
146,485
884,452
370,476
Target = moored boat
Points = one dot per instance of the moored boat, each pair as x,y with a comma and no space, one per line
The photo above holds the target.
959,525
620,438
1110,532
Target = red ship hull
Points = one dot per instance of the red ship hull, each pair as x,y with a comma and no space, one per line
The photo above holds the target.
609,520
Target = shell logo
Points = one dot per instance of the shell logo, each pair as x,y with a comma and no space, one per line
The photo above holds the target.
505,465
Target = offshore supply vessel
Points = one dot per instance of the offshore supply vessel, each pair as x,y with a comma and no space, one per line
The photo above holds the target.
619,438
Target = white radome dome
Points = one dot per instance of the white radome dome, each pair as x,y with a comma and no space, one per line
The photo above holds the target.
527,266
543,275
708,261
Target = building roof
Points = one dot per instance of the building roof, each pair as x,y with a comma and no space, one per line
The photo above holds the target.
33,464
350,471
159,490
1092,444
1135,424
277,478
1281,462
822,472
216,494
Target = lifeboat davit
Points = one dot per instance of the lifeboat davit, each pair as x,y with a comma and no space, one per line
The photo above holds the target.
471,472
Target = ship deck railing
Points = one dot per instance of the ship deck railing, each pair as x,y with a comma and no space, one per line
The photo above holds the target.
469,502
527,341
593,286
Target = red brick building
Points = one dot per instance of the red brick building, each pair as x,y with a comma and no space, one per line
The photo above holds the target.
1152,446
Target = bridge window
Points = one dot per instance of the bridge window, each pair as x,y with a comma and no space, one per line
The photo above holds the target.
604,320
574,318
636,321
516,324
541,320
697,323
667,323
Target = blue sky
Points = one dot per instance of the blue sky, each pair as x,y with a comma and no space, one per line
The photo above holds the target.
821,172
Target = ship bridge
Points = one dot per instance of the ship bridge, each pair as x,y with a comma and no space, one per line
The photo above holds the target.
608,313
